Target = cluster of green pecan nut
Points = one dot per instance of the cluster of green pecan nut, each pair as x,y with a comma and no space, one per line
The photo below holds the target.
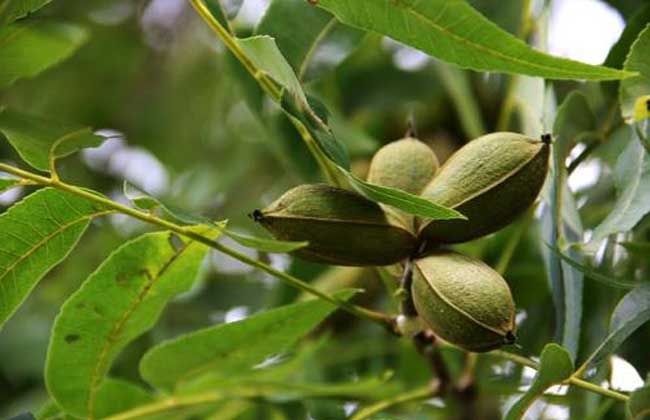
491,180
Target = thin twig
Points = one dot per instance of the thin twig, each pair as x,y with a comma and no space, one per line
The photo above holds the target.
358,311
266,83
407,307
572,380
418,394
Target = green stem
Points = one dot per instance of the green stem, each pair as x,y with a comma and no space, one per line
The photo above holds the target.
267,84
168,404
572,380
231,43
355,310
422,393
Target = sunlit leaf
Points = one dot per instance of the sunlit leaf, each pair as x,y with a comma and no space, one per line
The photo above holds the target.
637,60
28,48
232,349
555,366
455,32
36,234
36,138
266,55
121,300
301,32
402,200
630,313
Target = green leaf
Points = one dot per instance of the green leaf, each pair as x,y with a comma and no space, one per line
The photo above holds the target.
301,31
401,200
457,84
630,313
529,97
638,60
274,392
8,183
51,411
329,147
37,139
114,396
266,55
634,25
265,244
120,301
640,249
232,349
357,141
283,391
29,48
141,199
11,10
638,406
453,31
574,122
632,178
561,222
36,234
555,366
146,201
593,274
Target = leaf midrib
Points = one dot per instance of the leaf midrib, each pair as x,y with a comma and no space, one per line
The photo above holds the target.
47,238
497,54
113,335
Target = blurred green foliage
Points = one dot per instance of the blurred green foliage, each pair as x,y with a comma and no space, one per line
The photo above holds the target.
189,123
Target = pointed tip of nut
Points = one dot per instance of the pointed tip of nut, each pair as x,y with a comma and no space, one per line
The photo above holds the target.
547,139
256,215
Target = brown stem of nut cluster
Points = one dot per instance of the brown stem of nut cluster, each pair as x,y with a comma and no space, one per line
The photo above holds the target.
407,307
425,343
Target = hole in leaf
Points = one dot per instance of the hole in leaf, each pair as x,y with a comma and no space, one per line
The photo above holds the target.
72,338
